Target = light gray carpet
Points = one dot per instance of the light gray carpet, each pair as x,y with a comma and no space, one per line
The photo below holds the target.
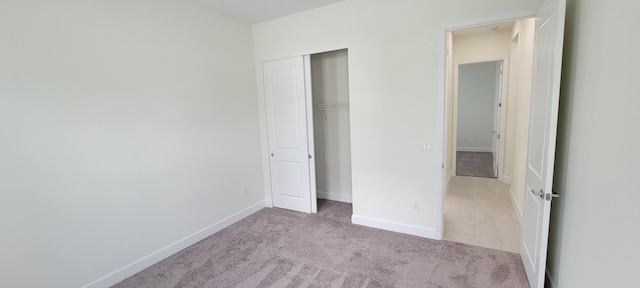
474,164
281,248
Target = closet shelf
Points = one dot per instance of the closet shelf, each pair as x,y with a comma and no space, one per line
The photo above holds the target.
330,107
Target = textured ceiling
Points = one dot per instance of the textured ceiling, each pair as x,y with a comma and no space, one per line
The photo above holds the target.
255,11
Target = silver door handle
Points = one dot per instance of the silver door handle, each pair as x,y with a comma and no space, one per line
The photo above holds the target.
550,196
272,155
538,193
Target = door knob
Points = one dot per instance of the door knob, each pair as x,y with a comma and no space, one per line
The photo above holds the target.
272,155
550,196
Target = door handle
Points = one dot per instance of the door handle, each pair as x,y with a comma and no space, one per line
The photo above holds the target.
538,193
550,196
272,155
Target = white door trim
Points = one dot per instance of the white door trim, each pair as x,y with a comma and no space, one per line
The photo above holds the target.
504,103
310,132
308,52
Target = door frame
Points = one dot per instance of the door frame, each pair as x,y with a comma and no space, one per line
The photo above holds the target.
503,112
442,106
306,54
308,97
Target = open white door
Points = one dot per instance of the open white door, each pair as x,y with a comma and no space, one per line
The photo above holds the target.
497,106
542,138
286,108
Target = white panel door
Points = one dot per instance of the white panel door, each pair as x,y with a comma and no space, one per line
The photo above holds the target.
286,108
542,138
495,145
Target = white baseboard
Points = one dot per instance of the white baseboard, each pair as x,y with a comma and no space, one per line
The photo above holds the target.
473,149
145,262
507,179
395,227
334,197
516,207
268,203
552,282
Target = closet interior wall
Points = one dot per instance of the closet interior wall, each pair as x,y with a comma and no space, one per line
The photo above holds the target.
330,87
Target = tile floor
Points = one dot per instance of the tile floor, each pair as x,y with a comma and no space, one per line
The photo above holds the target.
478,211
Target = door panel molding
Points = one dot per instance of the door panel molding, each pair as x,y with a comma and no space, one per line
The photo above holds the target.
543,122
288,133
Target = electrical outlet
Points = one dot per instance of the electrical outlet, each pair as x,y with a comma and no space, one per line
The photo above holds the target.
416,205
427,147
244,191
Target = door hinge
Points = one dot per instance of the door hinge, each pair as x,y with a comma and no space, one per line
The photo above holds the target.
499,104
550,196
310,157
498,136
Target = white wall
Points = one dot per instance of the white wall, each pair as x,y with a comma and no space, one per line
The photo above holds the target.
125,126
594,233
330,83
475,113
520,73
395,52
481,46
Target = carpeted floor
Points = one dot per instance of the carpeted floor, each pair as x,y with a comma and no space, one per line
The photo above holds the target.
280,248
474,164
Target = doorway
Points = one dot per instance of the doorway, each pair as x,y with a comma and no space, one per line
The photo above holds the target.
483,211
478,122
308,127
332,135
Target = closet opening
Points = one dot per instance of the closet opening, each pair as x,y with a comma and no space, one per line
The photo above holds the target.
331,133
308,128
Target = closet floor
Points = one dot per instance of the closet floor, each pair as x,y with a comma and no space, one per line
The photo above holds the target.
478,211
335,210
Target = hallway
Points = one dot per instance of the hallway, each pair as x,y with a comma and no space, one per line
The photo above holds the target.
478,211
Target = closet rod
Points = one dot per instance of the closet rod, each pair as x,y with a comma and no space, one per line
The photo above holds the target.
329,107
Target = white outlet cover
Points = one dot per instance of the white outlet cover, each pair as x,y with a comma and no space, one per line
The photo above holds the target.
427,147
